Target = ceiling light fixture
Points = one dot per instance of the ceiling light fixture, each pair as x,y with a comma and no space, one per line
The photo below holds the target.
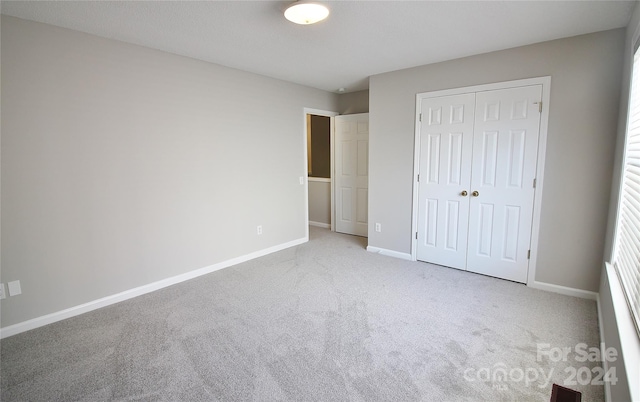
305,13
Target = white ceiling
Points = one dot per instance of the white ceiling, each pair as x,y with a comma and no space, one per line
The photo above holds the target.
359,39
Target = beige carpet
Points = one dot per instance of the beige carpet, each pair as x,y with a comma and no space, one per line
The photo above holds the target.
322,321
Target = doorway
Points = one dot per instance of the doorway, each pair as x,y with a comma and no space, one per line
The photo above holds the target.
347,192
319,172
319,183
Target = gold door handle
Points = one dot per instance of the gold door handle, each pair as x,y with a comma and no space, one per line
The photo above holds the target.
464,193
475,194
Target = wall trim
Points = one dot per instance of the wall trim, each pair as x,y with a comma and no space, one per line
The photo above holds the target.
629,341
320,224
319,179
390,253
605,362
138,291
564,290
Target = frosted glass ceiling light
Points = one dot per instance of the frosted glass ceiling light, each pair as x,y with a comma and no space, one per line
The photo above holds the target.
306,13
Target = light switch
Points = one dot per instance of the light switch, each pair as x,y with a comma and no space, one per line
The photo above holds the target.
14,288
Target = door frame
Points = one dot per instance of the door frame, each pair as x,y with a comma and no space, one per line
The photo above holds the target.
331,115
542,147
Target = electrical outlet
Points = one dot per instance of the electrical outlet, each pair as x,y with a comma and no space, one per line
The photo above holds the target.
378,227
3,293
14,288
259,229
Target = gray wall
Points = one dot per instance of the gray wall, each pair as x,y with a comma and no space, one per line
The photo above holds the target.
585,88
619,391
122,165
354,102
319,202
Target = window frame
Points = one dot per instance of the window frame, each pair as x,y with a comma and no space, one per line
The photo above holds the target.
626,245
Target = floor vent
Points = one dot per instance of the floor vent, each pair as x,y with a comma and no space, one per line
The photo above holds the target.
562,394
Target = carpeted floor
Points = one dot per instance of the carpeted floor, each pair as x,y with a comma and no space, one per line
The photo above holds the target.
322,321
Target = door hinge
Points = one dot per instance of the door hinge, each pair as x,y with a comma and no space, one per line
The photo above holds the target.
418,178
535,181
539,106
416,235
420,118
529,255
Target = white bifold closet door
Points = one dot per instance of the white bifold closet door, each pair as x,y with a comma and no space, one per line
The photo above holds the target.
352,174
446,139
478,156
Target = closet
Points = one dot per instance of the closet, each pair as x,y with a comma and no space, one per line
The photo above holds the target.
477,160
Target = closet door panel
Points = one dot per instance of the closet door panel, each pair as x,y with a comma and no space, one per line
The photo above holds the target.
505,149
446,135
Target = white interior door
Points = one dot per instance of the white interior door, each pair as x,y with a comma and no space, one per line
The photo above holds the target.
477,165
444,179
352,174
505,153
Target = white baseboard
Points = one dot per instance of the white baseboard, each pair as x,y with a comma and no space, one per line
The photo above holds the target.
131,293
583,294
390,253
320,224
